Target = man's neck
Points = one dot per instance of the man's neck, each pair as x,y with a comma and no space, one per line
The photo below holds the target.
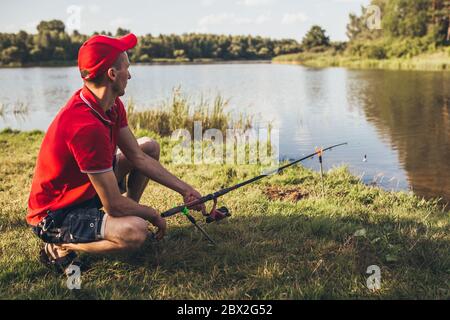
104,96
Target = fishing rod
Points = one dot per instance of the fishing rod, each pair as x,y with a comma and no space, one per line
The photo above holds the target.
221,213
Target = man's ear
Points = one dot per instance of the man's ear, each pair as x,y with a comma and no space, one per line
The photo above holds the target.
111,73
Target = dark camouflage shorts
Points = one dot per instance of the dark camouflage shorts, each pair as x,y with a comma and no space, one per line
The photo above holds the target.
81,223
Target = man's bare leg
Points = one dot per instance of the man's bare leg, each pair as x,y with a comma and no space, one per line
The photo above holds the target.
136,182
121,234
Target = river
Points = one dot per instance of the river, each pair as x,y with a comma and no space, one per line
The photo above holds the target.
397,123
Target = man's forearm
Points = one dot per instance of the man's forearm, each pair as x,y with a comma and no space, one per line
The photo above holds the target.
155,171
124,206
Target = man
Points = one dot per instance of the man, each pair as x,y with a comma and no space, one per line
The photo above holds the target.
78,168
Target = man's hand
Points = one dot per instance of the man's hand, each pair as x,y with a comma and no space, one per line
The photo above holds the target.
160,223
191,195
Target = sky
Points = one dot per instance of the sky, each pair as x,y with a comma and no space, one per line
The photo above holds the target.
269,18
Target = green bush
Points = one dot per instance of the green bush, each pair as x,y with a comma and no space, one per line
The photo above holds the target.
392,48
408,47
145,58
376,52
356,49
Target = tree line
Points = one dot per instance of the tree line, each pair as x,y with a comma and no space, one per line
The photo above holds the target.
53,44
408,28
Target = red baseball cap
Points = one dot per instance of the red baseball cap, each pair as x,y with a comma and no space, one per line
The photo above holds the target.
100,52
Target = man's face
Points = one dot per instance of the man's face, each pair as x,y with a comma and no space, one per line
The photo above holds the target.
122,74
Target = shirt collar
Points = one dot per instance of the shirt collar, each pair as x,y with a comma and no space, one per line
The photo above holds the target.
89,99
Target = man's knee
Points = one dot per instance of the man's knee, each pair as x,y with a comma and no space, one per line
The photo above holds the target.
134,233
150,147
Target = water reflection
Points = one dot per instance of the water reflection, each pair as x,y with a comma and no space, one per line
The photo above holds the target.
411,111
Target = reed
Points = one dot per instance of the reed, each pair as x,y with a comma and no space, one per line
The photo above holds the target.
179,112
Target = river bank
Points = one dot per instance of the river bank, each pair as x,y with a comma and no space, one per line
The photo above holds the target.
285,240
153,62
439,61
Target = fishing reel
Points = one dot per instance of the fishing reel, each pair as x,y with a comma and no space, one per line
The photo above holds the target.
215,215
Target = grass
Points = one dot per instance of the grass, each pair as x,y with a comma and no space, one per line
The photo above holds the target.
439,61
17,109
275,246
20,108
179,112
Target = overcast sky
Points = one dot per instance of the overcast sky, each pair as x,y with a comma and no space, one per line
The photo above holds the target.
271,18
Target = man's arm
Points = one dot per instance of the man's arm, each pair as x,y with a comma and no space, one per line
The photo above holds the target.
152,168
117,205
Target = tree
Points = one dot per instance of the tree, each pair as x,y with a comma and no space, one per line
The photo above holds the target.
264,53
179,54
122,32
357,28
316,37
406,18
53,25
440,17
36,54
11,54
145,58
235,50
59,53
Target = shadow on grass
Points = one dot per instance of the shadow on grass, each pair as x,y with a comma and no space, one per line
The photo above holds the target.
278,251
12,223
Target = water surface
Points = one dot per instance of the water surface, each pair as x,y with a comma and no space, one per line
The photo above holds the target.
399,120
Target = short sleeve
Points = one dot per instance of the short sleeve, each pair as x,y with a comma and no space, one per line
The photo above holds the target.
123,121
92,150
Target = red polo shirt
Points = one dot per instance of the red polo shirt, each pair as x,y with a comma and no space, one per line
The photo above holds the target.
81,139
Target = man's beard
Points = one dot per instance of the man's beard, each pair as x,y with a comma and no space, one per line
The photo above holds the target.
118,91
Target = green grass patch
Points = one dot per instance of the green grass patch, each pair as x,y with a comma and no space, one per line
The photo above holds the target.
312,247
